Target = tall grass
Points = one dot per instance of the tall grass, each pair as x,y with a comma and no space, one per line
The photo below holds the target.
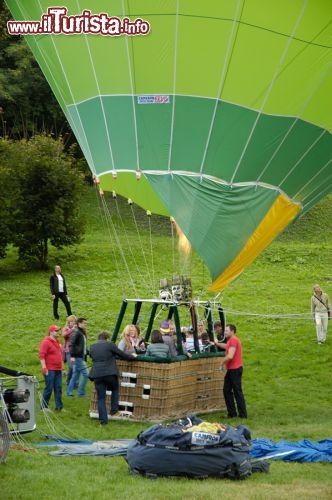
287,376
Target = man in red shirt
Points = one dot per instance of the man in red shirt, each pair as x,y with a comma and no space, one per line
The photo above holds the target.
51,360
233,378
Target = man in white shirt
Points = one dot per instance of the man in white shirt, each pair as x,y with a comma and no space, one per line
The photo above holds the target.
59,291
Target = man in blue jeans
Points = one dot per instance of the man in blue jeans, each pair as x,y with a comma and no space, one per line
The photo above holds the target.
51,360
78,352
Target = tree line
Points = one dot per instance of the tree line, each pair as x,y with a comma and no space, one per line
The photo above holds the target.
42,170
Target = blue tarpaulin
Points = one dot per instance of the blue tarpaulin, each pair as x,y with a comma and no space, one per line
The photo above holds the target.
300,451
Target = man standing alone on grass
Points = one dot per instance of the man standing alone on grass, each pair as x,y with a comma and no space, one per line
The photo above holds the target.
59,291
233,378
51,360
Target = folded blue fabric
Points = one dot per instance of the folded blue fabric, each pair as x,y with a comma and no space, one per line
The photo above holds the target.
300,451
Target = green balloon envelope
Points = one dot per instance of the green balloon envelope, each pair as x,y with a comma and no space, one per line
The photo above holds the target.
219,116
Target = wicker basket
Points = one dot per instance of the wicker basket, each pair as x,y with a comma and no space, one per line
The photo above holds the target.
158,391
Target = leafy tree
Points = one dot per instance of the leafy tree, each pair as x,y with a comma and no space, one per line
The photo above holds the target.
46,205
27,104
5,211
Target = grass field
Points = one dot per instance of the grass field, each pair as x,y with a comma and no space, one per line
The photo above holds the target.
287,377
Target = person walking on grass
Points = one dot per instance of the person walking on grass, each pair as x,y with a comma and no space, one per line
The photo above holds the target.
59,291
51,360
104,374
233,379
320,310
78,353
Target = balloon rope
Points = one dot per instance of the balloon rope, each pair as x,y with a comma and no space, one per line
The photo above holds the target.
130,248
114,237
148,274
297,316
151,249
102,211
321,192
107,221
301,158
54,422
173,242
324,178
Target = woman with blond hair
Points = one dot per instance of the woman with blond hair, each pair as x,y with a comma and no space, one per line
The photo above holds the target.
130,341
66,333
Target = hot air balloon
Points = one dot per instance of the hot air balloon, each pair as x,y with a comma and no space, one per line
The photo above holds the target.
217,113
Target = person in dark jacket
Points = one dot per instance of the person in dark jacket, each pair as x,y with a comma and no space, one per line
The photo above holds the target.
78,353
104,374
59,291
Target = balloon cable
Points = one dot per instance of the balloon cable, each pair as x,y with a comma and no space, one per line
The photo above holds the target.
149,274
114,238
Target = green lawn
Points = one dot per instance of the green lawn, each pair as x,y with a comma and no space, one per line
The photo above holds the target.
287,376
